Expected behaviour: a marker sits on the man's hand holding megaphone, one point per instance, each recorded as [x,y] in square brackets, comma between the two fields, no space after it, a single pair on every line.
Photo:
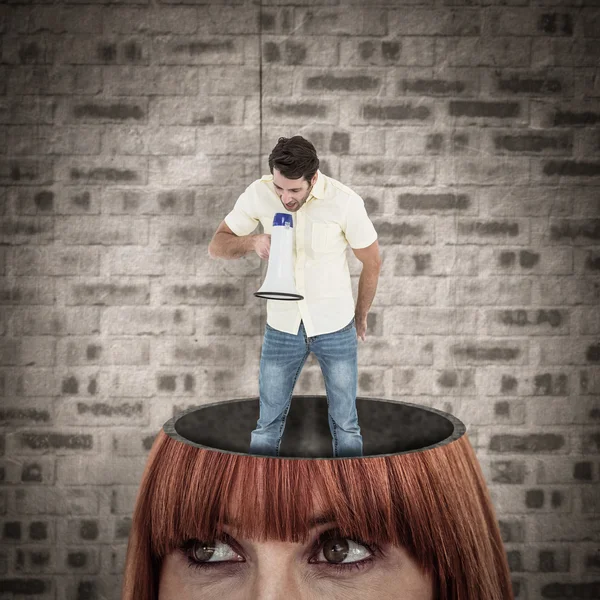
[262,245]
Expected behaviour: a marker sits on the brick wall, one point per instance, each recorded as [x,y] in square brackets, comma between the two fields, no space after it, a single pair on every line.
[127,130]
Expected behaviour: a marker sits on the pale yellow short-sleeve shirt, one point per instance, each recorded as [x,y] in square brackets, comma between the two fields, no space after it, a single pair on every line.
[333,217]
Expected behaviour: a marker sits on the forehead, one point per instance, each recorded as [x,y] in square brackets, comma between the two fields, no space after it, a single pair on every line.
[288,184]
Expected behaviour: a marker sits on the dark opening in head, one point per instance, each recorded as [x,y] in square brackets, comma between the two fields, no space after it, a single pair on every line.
[387,427]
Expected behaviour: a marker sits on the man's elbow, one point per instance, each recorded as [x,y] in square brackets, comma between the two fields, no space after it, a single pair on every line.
[212,251]
[376,262]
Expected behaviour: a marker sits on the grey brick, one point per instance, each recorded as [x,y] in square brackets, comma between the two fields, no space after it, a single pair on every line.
[60,442]
[530,201]
[179,171]
[322,52]
[240,80]
[572,590]
[28,49]
[580,113]
[525,21]
[27,230]
[218,20]
[448,83]
[382,112]
[103,230]
[494,231]
[350,81]
[27,290]
[56,261]
[508,291]
[566,291]
[71,471]
[399,172]
[184,352]
[432,320]
[129,20]
[448,382]
[557,261]
[65,19]
[42,320]
[101,292]
[406,291]
[523,382]
[164,140]
[105,50]
[94,351]
[25,171]
[87,110]
[160,81]
[205,293]
[442,22]
[186,50]
[547,442]
[106,171]
[468,352]
[413,142]
[581,410]
[146,320]
[409,51]
[26,586]
[409,350]
[294,111]
[55,80]
[564,52]
[25,414]
[142,260]
[534,143]
[336,21]
[530,83]
[112,412]
[46,140]
[486,51]
[498,171]
[410,230]
[435,261]
[551,561]
[574,231]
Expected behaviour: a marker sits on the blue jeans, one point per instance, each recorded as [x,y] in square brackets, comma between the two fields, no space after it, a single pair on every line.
[282,357]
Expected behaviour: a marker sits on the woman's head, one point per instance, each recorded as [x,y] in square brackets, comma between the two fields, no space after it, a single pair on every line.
[414,526]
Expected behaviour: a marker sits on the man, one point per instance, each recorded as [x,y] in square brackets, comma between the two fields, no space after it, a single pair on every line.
[327,216]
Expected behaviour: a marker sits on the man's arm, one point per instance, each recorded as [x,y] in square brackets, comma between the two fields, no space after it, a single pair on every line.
[367,285]
[226,244]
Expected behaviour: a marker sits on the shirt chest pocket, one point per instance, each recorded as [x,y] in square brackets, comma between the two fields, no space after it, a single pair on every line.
[326,237]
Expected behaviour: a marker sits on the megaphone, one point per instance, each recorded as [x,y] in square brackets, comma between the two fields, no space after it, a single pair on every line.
[279,283]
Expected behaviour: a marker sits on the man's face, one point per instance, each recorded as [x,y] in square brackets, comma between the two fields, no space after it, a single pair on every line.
[293,193]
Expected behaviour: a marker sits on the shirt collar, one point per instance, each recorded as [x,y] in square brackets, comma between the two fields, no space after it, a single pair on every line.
[318,190]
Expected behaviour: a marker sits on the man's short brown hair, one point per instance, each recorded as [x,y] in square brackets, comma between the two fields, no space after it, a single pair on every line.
[294,157]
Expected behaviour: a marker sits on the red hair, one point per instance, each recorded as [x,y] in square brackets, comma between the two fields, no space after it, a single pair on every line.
[433,502]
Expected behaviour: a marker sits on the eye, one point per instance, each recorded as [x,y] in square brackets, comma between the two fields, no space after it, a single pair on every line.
[336,549]
[215,551]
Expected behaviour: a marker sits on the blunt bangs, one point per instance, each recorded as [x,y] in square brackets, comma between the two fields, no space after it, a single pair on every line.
[433,502]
